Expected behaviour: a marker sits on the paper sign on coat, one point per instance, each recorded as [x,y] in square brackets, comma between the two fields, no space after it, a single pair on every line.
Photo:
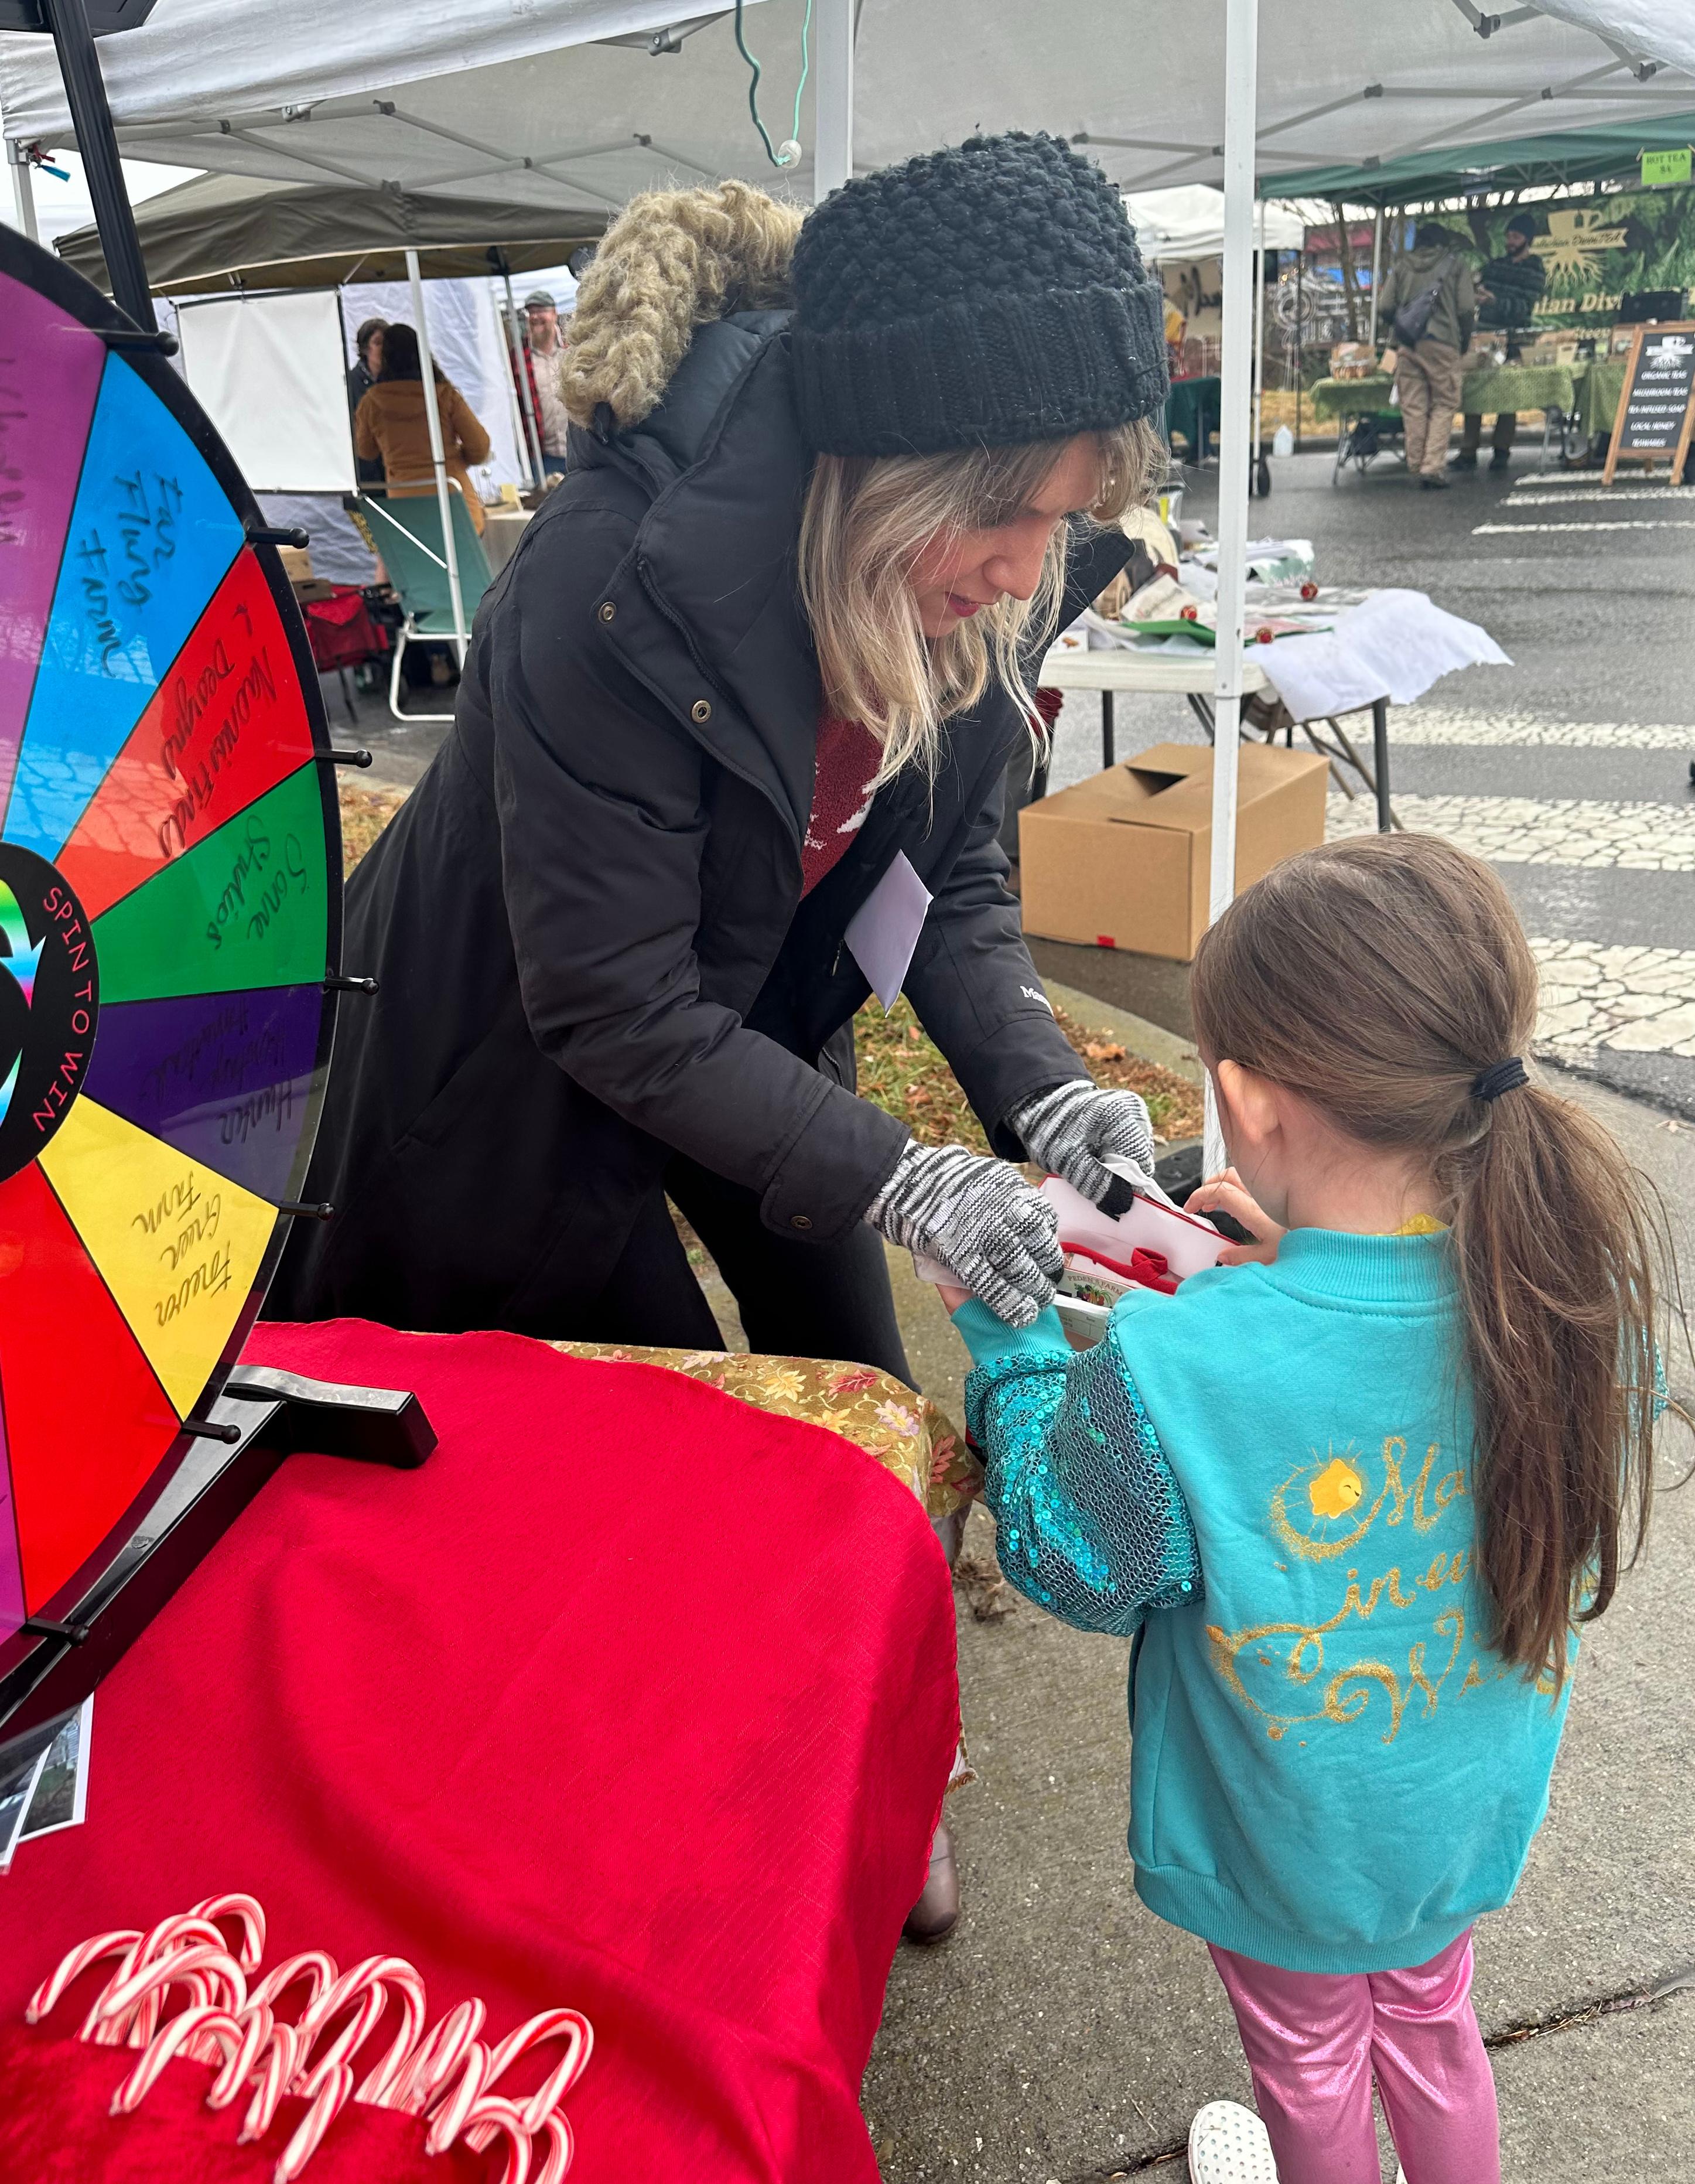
[883,932]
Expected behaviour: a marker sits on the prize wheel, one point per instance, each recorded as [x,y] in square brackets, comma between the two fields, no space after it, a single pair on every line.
[169,915]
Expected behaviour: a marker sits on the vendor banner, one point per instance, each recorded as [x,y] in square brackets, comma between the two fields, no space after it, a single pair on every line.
[1597,250]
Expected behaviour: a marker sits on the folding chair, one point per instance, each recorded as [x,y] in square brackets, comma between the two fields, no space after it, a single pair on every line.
[407,533]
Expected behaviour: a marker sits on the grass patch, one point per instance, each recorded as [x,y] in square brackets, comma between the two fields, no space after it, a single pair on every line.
[901,1070]
[364,813]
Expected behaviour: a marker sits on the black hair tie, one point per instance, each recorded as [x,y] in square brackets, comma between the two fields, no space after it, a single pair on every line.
[1500,1077]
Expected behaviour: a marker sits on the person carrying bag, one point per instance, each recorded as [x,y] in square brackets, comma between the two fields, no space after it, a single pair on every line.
[1430,301]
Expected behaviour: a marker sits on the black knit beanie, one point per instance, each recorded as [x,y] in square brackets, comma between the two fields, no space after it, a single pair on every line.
[984,296]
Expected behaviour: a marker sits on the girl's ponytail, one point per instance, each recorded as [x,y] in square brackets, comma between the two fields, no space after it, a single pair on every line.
[1555,1239]
[1385,980]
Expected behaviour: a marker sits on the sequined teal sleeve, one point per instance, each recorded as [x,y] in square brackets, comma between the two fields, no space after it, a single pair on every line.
[1092,1523]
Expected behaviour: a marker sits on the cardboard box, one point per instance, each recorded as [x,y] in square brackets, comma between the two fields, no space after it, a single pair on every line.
[1123,860]
[297,563]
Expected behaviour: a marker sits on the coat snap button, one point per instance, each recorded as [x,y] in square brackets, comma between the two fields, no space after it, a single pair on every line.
[607,611]
[800,1221]
[700,711]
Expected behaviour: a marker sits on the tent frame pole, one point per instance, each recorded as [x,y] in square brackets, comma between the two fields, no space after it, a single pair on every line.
[1376,269]
[91,120]
[531,433]
[1240,65]
[832,151]
[444,495]
[1256,440]
[22,189]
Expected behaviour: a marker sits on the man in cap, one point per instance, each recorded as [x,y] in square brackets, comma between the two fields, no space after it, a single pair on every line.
[545,349]
[1508,289]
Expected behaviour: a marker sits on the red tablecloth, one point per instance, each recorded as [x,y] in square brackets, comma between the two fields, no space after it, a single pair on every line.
[632,1698]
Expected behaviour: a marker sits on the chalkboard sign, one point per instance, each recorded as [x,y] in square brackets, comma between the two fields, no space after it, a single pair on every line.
[1656,406]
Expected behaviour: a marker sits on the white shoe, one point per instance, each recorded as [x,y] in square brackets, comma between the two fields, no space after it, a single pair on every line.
[1228,2145]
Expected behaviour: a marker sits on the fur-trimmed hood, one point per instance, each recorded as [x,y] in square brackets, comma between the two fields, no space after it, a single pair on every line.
[674,260]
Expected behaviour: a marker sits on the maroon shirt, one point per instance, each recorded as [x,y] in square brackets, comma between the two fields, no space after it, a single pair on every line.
[848,756]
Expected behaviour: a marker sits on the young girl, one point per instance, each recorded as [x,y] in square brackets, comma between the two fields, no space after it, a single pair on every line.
[1353,1493]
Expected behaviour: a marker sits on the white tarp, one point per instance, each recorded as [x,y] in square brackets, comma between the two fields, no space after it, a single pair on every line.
[270,373]
[460,93]
[1182,226]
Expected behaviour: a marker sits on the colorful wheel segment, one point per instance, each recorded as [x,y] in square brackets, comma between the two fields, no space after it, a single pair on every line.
[169,913]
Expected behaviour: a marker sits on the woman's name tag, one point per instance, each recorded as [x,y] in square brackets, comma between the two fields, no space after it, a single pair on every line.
[884,930]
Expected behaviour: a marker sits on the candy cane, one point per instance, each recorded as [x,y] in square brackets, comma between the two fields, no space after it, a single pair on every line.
[171,1937]
[202,1967]
[434,2062]
[445,2075]
[310,1964]
[493,2114]
[71,1967]
[193,2024]
[252,1919]
[447,2120]
[399,1979]
[372,2001]
[256,2025]
[332,2097]
[278,2063]
[560,2153]
[578,2034]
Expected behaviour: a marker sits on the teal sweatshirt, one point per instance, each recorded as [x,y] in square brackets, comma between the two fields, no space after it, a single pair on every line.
[1264,1478]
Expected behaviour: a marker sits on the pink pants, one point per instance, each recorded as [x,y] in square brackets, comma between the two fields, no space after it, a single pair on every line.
[1314,2040]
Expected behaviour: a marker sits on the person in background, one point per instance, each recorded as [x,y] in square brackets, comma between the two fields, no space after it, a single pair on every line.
[1355,1494]
[1429,301]
[362,376]
[545,349]
[1508,289]
[392,425]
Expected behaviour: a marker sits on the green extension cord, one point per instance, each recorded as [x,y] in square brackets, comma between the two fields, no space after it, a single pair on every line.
[788,153]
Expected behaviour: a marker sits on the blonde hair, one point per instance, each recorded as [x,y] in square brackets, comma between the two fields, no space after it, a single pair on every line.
[677,259]
[866,520]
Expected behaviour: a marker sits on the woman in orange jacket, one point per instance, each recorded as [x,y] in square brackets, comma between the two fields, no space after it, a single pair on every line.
[390,424]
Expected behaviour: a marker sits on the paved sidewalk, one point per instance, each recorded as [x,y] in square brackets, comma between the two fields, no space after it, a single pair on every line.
[1065,2033]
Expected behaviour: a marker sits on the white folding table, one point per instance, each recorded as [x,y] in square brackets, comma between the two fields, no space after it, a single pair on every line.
[1190,674]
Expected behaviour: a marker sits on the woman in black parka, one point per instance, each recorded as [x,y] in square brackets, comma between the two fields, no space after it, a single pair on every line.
[760,657]
[831,486]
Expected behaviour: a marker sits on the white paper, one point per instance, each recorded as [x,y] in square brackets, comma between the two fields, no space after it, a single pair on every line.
[884,930]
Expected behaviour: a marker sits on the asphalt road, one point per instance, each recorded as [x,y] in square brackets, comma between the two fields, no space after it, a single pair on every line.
[1579,751]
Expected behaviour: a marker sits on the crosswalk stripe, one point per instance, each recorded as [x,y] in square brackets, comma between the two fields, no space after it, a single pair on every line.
[1625,1000]
[1612,494]
[1643,523]
[1440,724]
[1524,830]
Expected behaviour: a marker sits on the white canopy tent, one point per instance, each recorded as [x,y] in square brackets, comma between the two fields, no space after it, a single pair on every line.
[560,102]
[583,102]
[1181,225]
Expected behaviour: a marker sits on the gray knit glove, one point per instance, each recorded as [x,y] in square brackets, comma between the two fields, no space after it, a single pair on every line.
[980,1219]
[1073,1129]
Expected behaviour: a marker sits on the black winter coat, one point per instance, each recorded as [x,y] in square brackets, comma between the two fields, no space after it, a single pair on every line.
[587,919]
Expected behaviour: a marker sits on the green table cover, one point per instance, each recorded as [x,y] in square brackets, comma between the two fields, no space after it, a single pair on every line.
[1192,408]
[1485,391]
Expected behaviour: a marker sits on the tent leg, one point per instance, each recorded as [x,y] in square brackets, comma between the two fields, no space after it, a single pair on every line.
[832,154]
[22,189]
[444,497]
[1240,62]
[530,435]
